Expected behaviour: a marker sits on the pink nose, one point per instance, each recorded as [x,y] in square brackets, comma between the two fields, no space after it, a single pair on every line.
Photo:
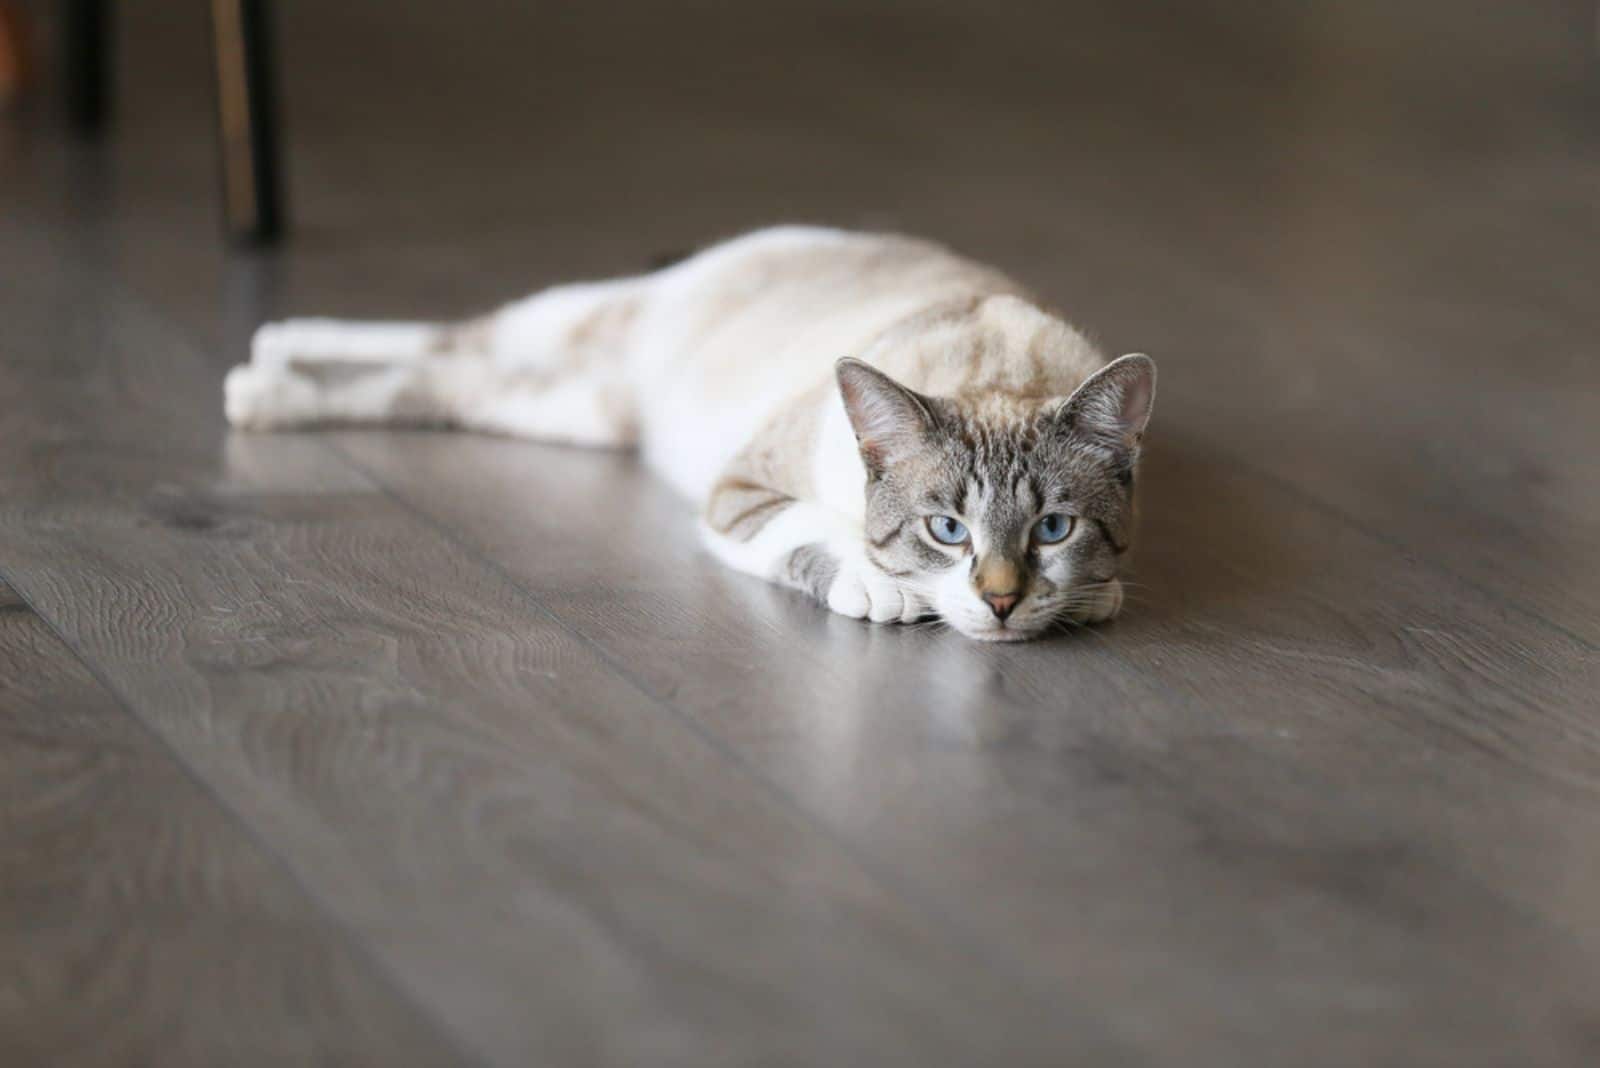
[1001,604]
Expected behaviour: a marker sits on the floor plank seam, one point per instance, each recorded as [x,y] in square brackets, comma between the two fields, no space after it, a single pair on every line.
[357,946]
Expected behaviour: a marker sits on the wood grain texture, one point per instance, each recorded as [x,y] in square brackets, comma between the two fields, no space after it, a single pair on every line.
[139,924]
[1322,748]
[1327,793]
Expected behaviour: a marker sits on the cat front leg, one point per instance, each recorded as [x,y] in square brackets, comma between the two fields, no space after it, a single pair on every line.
[806,547]
[862,590]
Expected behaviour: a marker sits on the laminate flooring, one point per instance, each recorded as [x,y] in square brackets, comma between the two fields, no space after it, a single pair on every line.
[413,748]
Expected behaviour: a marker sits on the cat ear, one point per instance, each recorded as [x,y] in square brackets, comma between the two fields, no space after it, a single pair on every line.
[889,419]
[1113,405]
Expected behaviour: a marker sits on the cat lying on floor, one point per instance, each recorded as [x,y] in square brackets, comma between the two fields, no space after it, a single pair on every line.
[894,430]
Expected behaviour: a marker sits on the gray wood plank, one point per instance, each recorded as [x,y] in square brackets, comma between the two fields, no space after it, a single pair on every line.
[553,863]
[1302,721]
[138,924]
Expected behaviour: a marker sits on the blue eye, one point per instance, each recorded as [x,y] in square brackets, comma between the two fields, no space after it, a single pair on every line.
[1052,528]
[947,531]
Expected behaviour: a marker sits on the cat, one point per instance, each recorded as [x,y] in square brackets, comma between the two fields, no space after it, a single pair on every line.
[873,420]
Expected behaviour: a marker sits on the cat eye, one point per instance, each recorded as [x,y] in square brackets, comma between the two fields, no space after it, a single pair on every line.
[947,531]
[1053,528]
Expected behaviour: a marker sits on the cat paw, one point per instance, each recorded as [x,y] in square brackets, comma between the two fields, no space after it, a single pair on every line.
[867,593]
[1102,603]
[258,397]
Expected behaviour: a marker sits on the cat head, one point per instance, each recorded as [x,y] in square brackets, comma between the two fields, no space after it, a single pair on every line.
[1009,513]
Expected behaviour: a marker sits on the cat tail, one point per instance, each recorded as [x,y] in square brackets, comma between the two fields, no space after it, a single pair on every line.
[552,368]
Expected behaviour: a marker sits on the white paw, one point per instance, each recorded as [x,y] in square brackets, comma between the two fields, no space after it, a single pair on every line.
[864,592]
[1103,603]
[257,397]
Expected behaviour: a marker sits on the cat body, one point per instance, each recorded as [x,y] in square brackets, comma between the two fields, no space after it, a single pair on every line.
[829,400]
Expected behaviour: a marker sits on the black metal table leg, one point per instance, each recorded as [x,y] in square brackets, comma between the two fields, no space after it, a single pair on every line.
[86,61]
[247,119]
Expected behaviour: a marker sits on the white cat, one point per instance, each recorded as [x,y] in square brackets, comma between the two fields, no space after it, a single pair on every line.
[871,419]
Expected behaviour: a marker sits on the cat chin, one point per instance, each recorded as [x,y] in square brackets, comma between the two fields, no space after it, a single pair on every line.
[1001,634]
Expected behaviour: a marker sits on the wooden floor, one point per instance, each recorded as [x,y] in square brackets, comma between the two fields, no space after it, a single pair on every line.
[402,749]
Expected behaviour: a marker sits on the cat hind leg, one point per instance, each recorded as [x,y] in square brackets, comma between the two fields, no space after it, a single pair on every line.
[312,372]
[551,368]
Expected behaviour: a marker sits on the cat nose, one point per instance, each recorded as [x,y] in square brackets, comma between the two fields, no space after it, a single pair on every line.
[1001,604]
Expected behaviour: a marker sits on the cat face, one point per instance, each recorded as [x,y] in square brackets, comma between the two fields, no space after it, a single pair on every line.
[1007,514]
